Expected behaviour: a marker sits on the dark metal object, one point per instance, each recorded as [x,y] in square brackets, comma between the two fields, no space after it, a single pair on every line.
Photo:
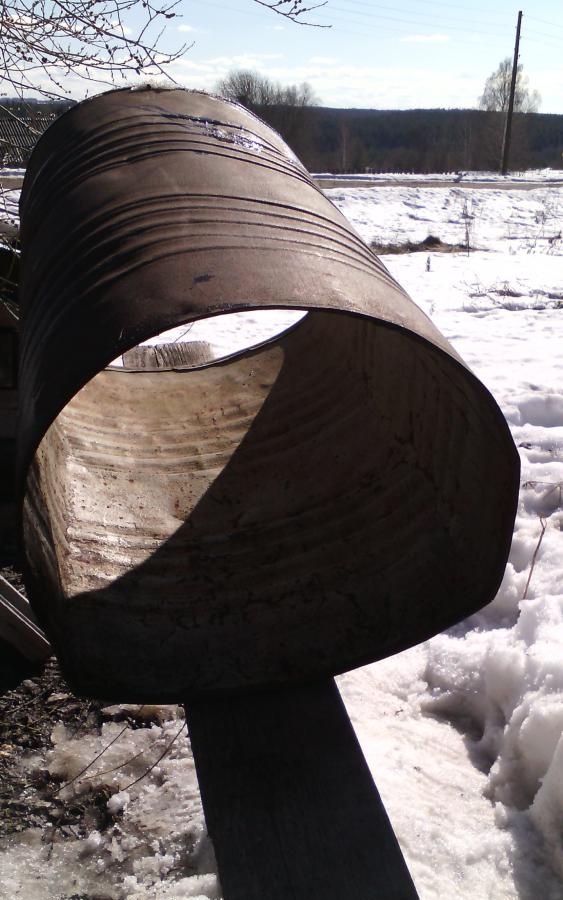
[8,360]
[8,415]
[18,626]
[290,804]
[319,502]
[23,646]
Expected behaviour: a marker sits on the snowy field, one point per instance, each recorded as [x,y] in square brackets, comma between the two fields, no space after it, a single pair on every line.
[464,733]
[548,176]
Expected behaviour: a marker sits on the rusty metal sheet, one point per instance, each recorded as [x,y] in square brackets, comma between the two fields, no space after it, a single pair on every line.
[324,500]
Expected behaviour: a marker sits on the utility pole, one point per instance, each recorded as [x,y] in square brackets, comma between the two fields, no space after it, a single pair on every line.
[508,126]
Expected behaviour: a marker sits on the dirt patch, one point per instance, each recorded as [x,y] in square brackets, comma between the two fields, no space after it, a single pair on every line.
[31,706]
[430,244]
[29,793]
[28,715]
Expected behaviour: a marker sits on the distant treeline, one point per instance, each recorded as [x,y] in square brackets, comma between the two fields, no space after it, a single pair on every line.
[417,140]
[414,140]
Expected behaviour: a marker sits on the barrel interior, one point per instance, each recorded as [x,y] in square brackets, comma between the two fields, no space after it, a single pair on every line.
[287,513]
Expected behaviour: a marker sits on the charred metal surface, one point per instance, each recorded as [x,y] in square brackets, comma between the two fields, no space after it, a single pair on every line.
[322,501]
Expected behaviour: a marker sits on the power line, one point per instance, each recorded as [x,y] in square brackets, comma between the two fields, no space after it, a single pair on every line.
[410,22]
[422,20]
[322,15]
[529,33]
[375,16]
[406,31]
[544,22]
[463,8]
[399,9]
[545,37]
[386,29]
[401,31]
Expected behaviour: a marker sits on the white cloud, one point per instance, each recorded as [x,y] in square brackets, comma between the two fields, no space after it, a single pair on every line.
[380,87]
[205,74]
[186,27]
[323,60]
[547,81]
[338,84]
[244,60]
[425,39]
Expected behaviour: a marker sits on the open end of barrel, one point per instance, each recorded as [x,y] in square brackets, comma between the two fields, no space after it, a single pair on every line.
[288,513]
[209,340]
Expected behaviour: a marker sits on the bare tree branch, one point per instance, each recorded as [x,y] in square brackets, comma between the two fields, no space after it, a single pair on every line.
[294,10]
[46,41]
[54,39]
[256,91]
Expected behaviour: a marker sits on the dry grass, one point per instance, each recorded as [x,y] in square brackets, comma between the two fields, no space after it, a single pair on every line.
[430,244]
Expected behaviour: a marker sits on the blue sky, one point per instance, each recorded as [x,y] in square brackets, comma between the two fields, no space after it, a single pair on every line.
[389,55]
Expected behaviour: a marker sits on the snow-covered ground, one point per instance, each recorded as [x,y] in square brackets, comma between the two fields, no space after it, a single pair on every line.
[9,216]
[530,175]
[464,733]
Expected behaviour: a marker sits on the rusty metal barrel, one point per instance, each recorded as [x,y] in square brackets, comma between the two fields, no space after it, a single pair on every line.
[285,513]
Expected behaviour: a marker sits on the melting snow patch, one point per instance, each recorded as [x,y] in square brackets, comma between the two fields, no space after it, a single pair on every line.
[541,409]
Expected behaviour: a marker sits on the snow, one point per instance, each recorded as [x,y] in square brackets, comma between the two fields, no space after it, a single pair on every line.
[9,216]
[463,734]
[158,827]
[228,334]
[530,175]
[495,681]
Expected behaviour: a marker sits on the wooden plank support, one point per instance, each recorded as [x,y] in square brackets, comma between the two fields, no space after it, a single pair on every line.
[289,801]
[18,626]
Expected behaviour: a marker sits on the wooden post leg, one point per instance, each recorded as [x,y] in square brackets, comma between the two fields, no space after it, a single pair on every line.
[289,801]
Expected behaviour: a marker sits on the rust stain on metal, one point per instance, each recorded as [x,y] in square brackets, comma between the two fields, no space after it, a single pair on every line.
[321,501]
